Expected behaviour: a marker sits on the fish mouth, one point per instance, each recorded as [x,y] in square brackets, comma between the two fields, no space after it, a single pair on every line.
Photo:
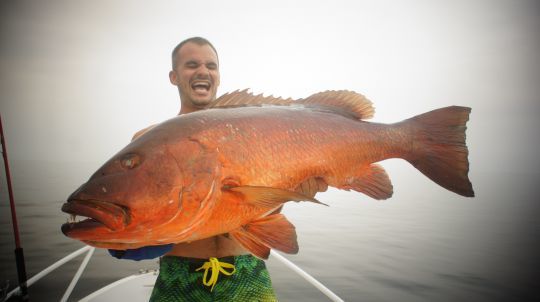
[98,214]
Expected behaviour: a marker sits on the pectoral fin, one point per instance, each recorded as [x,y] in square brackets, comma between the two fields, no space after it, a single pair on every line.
[270,197]
[273,231]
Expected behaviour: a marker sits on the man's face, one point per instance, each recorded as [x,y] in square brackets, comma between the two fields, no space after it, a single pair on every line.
[197,76]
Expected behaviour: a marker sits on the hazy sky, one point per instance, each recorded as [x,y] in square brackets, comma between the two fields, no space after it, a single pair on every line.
[78,78]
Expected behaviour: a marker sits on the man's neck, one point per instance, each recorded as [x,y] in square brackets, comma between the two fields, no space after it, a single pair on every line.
[188,108]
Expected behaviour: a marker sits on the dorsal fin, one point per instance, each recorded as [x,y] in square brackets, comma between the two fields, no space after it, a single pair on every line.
[343,100]
[244,98]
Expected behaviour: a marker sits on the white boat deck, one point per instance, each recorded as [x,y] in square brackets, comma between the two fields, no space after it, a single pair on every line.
[134,288]
[139,287]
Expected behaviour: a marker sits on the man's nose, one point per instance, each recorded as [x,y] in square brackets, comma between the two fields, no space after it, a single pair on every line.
[203,71]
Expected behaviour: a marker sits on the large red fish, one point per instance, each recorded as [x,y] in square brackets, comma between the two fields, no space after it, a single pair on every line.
[226,169]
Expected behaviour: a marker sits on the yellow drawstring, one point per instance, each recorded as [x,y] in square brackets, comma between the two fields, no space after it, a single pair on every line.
[216,268]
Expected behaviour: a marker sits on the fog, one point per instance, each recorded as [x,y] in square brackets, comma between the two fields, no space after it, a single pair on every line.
[79,78]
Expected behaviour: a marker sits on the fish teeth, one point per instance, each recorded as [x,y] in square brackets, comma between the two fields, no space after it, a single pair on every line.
[75,219]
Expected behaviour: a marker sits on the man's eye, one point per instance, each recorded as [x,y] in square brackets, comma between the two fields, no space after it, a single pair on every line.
[211,66]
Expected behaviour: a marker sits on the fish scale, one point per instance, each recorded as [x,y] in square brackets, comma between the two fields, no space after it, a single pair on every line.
[344,141]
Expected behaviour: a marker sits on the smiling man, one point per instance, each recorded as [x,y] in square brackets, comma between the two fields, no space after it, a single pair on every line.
[190,271]
[196,73]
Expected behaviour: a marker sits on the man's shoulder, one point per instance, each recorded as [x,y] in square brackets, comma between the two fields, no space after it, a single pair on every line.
[142,131]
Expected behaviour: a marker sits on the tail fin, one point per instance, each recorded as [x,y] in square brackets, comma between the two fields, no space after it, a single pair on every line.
[439,149]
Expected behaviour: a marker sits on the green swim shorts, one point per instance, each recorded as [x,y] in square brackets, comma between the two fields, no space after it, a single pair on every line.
[239,278]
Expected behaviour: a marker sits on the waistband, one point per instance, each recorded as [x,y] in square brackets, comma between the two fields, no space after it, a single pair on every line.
[195,263]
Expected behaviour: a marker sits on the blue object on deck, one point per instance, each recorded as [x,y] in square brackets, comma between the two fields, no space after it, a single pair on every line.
[147,252]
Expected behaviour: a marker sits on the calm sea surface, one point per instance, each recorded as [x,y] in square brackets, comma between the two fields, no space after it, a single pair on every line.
[424,244]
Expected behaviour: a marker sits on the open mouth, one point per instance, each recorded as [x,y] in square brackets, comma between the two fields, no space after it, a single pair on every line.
[201,86]
[94,213]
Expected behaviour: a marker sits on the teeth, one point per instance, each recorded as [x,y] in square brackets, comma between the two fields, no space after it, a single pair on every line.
[203,84]
[74,219]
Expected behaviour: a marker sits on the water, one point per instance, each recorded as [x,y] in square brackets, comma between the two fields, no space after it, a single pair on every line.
[424,244]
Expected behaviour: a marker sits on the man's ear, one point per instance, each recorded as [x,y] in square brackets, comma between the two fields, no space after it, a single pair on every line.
[173,78]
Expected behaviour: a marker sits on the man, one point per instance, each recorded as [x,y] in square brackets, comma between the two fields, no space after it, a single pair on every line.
[189,271]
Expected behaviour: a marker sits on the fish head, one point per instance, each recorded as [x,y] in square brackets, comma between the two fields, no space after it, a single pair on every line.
[128,198]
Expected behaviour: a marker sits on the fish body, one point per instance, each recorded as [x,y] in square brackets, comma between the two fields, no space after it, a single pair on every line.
[226,169]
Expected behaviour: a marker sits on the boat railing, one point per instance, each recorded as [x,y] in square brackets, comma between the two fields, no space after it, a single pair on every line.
[90,250]
[307,277]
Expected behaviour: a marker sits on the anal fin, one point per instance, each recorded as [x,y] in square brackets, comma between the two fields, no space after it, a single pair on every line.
[273,231]
[372,181]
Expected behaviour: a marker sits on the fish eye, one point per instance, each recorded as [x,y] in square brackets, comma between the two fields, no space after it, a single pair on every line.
[130,161]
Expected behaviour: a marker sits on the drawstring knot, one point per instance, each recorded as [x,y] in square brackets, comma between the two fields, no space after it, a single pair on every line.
[216,267]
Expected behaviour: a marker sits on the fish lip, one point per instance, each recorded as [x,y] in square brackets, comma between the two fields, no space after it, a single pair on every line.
[108,214]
